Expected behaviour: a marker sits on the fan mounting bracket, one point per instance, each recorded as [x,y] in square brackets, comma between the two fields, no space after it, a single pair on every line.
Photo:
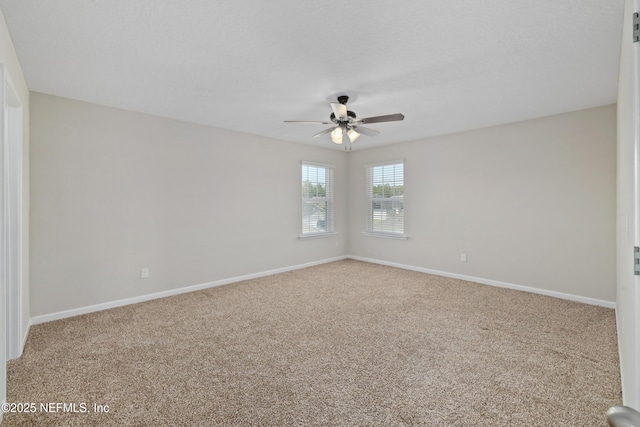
[343,99]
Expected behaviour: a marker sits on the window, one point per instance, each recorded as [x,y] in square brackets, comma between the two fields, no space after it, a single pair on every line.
[385,199]
[317,200]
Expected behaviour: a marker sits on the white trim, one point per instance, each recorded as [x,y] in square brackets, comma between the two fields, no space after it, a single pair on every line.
[317,235]
[385,163]
[4,292]
[322,165]
[142,298]
[561,295]
[26,334]
[119,303]
[385,235]
[12,185]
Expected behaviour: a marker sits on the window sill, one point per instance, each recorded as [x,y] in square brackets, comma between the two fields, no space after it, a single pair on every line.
[317,235]
[385,235]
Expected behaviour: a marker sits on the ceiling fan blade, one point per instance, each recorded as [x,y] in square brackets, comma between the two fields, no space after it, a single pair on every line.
[323,132]
[312,122]
[340,110]
[366,131]
[378,119]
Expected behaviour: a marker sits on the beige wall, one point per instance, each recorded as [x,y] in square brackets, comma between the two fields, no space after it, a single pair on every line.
[114,191]
[531,203]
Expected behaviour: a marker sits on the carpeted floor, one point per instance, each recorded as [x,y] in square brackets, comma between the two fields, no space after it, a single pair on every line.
[345,343]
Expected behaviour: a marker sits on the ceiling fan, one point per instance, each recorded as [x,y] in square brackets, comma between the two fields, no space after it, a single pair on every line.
[344,122]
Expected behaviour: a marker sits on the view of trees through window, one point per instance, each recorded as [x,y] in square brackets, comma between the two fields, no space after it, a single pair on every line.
[316,199]
[386,198]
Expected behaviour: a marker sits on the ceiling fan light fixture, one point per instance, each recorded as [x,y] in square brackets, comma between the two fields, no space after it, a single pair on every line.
[345,121]
[336,135]
[353,135]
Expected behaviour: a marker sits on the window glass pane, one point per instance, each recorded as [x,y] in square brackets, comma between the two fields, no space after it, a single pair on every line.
[385,208]
[314,217]
[388,216]
[317,199]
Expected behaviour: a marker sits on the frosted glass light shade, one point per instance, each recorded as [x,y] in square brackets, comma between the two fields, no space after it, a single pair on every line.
[353,135]
[336,135]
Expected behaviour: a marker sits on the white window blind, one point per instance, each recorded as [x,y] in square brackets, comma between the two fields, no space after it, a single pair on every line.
[385,198]
[317,199]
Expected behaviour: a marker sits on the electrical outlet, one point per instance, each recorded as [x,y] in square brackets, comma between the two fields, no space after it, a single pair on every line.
[144,273]
[463,257]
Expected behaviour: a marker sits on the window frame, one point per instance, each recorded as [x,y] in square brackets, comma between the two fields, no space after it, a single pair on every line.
[370,174]
[328,199]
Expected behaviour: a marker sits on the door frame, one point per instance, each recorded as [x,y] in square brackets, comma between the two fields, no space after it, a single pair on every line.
[11,159]
[628,210]
[13,218]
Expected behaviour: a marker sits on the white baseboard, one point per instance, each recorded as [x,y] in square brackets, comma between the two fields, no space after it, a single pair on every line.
[119,303]
[561,295]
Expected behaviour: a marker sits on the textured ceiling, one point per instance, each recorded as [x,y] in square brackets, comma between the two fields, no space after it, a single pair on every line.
[249,65]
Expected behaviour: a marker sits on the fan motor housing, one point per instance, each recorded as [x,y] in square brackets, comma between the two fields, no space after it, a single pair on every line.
[350,114]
